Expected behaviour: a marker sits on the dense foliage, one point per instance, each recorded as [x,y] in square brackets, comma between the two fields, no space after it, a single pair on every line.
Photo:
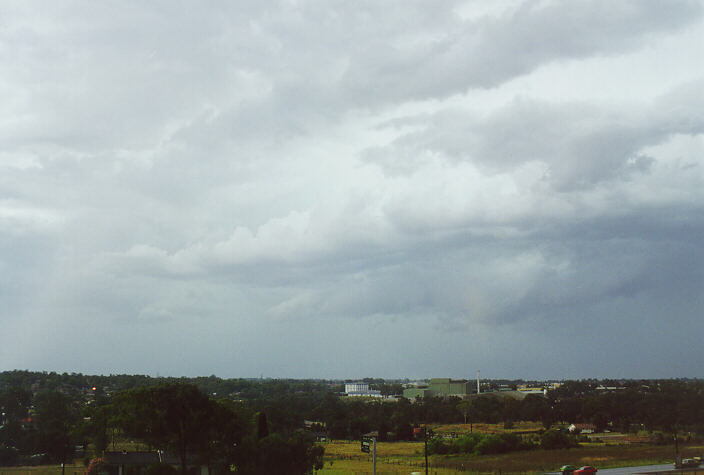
[478,444]
[241,422]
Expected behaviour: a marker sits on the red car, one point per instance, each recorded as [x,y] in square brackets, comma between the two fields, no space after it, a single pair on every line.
[586,469]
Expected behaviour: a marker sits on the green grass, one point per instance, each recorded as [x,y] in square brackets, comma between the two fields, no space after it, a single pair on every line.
[460,429]
[76,469]
[407,457]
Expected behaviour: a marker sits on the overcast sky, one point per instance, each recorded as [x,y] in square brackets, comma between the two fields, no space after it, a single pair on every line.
[336,189]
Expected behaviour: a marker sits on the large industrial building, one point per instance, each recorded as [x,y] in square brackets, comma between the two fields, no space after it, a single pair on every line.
[441,387]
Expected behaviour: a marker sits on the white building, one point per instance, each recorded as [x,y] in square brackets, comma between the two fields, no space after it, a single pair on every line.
[361,389]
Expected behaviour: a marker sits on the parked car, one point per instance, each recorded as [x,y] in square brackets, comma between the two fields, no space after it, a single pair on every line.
[567,469]
[585,470]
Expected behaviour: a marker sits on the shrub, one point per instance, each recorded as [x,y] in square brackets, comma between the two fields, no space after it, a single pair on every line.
[553,439]
[438,446]
[492,444]
[515,442]
[466,443]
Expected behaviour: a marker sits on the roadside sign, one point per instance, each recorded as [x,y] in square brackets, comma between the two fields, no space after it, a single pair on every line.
[369,445]
[366,441]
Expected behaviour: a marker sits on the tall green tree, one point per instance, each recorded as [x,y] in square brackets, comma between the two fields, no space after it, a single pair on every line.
[262,426]
[174,417]
[14,409]
[97,428]
[57,420]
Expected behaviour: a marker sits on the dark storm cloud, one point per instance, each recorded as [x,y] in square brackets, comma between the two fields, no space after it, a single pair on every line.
[202,187]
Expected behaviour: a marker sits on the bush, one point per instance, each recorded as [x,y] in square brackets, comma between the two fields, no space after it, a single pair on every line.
[466,443]
[479,444]
[493,444]
[438,446]
[553,439]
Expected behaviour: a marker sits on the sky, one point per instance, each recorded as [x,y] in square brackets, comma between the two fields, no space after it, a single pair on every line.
[335,189]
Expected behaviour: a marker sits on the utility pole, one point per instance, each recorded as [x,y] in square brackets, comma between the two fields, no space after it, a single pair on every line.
[365,448]
[678,457]
[426,434]
[425,437]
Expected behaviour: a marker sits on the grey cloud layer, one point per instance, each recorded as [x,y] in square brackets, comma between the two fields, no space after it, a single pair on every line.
[254,173]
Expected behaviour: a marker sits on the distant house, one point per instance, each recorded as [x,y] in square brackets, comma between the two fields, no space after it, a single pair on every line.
[582,428]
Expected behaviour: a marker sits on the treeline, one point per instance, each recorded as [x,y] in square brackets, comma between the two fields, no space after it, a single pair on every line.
[175,418]
[667,405]
[50,413]
[239,388]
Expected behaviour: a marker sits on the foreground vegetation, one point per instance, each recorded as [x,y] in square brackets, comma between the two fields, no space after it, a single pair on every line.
[175,418]
[238,424]
[404,457]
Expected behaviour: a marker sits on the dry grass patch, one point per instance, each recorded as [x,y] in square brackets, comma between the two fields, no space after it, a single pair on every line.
[43,470]
[352,449]
[407,457]
[460,429]
[363,467]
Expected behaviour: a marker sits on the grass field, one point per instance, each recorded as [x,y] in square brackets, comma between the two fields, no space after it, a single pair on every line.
[519,427]
[392,457]
[77,469]
[345,457]
[407,457]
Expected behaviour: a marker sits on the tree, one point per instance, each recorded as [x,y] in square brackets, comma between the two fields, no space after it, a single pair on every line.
[14,408]
[262,426]
[297,455]
[97,428]
[537,408]
[174,417]
[233,442]
[463,407]
[56,421]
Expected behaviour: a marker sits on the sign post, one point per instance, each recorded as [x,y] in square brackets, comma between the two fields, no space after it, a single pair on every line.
[365,444]
[369,445]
